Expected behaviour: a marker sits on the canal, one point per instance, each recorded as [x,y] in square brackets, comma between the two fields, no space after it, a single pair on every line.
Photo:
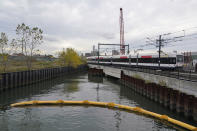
[79,118]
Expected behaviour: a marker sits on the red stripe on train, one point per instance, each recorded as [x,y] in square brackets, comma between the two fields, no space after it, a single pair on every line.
[146,56]
[123,57]
[99,57]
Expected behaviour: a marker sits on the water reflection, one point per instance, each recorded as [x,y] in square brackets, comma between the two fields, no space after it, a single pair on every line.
[70,88]
[141,101]
[95,79]
[27,92]
[4,121]
[150,105]
[77,87]
[30,121]
[98,80]
[117,115]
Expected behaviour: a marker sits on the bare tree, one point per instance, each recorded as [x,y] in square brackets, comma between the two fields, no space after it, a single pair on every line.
[6,48]
[35,40]
[22,31]
[29,38]
[3,42]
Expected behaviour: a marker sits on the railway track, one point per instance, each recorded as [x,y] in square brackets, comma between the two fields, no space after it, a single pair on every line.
[182,75]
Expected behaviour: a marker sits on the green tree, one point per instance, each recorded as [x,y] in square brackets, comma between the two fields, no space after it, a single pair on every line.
[29,39]
[69,57]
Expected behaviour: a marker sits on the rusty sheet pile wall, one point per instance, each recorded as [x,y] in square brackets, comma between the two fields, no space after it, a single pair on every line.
[16,79]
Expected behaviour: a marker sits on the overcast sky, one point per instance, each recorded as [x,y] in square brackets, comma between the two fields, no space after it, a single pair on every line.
[80,24]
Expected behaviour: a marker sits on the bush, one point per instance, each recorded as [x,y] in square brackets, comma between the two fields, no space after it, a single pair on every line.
[69,57]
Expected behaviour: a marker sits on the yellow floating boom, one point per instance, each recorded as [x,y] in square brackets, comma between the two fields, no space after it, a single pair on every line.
[109,105]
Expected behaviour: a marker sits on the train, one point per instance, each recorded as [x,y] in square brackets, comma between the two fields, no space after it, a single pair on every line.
[167,61]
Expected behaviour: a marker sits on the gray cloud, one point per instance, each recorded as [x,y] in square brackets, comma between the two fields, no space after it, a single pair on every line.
[83,23]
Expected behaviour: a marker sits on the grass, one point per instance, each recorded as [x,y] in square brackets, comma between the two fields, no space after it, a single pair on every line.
[14,66]
[138,77]
[162,83]
[147,81]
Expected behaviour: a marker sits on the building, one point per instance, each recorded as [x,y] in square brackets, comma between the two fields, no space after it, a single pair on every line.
[190,60]
[115,52]
[39,57]
[87,54]
[94,52]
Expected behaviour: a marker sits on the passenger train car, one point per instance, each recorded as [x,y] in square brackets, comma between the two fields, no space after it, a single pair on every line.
[167,61]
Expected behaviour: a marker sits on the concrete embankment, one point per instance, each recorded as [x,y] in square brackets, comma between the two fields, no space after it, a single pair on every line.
[15,79]
[174,98]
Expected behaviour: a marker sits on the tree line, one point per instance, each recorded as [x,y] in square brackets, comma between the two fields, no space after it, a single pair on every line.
[26,42]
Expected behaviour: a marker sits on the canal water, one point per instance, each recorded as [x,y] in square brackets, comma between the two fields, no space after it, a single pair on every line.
[79,118]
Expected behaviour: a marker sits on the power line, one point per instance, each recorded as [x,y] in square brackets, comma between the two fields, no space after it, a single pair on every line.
[170,33]
[150,41]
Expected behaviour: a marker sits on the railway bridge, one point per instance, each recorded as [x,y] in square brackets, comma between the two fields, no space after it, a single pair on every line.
[183,81]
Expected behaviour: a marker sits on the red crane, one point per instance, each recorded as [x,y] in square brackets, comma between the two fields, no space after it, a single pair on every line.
[122,47]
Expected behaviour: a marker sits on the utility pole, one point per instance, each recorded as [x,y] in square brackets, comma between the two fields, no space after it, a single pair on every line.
[122,43]
[160,44]
[98,52]
[128,49]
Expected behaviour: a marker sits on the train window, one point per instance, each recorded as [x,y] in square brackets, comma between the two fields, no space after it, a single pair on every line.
[172,61]
[154,60]
[115,60]
[179,58]
[148,60]
[124,60]
[143,60]
[164,60]
[169,61]
[106,60]
[109,60]
[120,60]
[139,60]
[133,60]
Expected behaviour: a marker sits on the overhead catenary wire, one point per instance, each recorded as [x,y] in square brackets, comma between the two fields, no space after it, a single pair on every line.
[173,39]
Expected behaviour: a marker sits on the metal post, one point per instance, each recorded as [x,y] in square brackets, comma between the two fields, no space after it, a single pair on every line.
[159,50]
[128,49]
[98,52]
[190,74]
[137,59]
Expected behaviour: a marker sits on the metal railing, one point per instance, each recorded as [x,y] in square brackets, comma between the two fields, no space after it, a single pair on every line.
[181,75]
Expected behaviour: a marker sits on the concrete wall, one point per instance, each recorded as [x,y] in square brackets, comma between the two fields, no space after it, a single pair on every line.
[114,72]
[187,87]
